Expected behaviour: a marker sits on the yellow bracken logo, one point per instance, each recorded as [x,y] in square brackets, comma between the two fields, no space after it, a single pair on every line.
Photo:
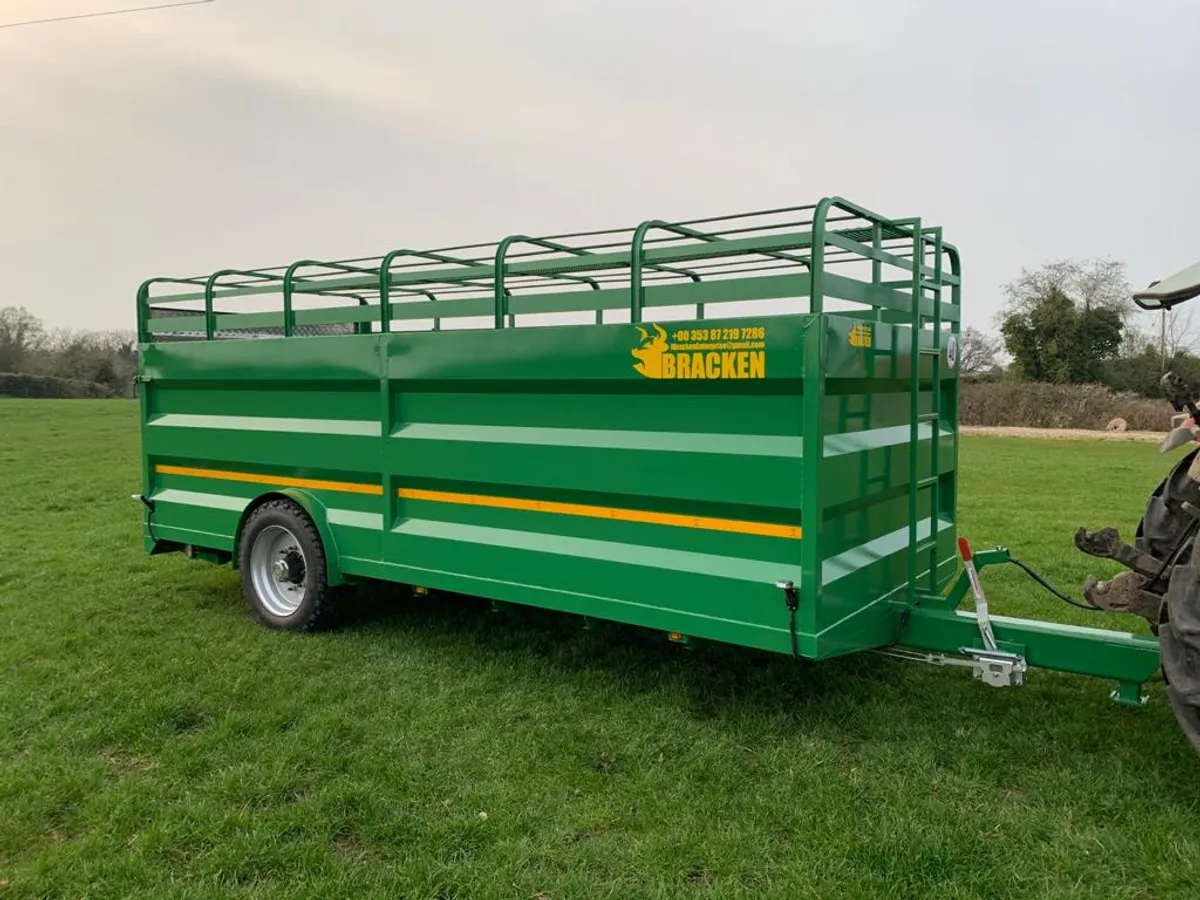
[714,353]
[860,335]
[650,354]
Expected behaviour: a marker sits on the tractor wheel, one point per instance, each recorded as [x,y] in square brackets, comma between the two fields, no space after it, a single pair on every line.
[1164,521]
[1178,629]
[282,564]
[1179,642]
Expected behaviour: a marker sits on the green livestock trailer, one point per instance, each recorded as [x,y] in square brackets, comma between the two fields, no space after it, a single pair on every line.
[738,429]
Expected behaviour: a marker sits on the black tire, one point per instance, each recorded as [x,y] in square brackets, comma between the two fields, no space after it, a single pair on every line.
[1179,642]
[1159,532]
[1164,521]
[281,531]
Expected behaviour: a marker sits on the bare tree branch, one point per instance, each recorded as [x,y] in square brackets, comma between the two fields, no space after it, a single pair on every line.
[1089,284]
[21,335]
[979,353]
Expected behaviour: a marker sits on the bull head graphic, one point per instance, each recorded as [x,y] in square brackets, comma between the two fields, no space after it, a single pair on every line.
[650,353]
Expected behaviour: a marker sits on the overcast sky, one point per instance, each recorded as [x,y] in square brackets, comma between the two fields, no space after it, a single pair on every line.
[254,132]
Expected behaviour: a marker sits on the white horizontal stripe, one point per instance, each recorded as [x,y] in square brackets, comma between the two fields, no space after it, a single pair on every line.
[353,427]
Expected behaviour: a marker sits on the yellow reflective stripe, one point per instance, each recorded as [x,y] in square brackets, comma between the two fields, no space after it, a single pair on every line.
[765,529]
[316,484]
[735,526]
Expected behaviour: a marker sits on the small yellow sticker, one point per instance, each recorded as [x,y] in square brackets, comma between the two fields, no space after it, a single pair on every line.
[861,335]
[709,353]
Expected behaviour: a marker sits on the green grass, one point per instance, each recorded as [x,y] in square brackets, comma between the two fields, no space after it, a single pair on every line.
[154,741]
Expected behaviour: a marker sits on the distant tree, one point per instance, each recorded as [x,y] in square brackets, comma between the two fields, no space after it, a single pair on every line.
[125,359]
[21,335]
[1140,372]
[1088,284]
[1175,332]
[979,353]
[85,356]
[1064,321]
[105,360]
[1135,342]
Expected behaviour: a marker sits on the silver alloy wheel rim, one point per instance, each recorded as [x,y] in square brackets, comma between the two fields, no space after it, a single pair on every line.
[278,581]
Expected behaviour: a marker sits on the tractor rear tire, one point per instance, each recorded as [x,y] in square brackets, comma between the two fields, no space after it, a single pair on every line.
[1179,642]
[1162,526]
[1164,520]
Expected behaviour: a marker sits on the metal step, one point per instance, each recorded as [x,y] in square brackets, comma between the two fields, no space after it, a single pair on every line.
[930,351]
[923,483]
[929,417]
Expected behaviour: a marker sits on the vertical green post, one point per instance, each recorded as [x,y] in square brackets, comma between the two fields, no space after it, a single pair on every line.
[387,422]
[813,439]
[144,337]
[361,327]
[637,252]
[143,312]
[210,318]
[955,377]
[914,407]
[385,291]
[935,446]
[877,246]
[501,292]
[289,277]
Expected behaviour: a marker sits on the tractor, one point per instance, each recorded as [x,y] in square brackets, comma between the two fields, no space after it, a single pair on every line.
[1162,583]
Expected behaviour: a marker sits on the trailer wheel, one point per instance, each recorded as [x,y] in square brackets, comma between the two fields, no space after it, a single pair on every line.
[1179,643]
[282,563]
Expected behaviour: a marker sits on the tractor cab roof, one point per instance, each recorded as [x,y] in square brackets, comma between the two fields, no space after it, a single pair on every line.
[1168,292]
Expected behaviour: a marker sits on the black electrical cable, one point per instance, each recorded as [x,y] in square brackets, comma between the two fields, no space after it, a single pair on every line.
[1051,588]
[1166,564]
[110,12]
[150,508]
[791,599]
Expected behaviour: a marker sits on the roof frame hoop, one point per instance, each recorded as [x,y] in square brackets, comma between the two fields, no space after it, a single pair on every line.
[503,293]
[637,261]
[386,287]
[289,287]
[143,301]
[210,285]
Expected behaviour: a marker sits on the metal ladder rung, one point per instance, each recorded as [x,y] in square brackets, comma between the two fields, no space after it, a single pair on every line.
[926,289]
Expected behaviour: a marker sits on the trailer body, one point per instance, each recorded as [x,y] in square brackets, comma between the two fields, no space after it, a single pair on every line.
[741,429]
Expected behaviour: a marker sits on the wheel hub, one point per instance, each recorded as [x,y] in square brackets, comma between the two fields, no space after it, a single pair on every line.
[289,568]
[278,571]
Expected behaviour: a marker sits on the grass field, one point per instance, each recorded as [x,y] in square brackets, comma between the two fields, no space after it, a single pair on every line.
[155,742]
